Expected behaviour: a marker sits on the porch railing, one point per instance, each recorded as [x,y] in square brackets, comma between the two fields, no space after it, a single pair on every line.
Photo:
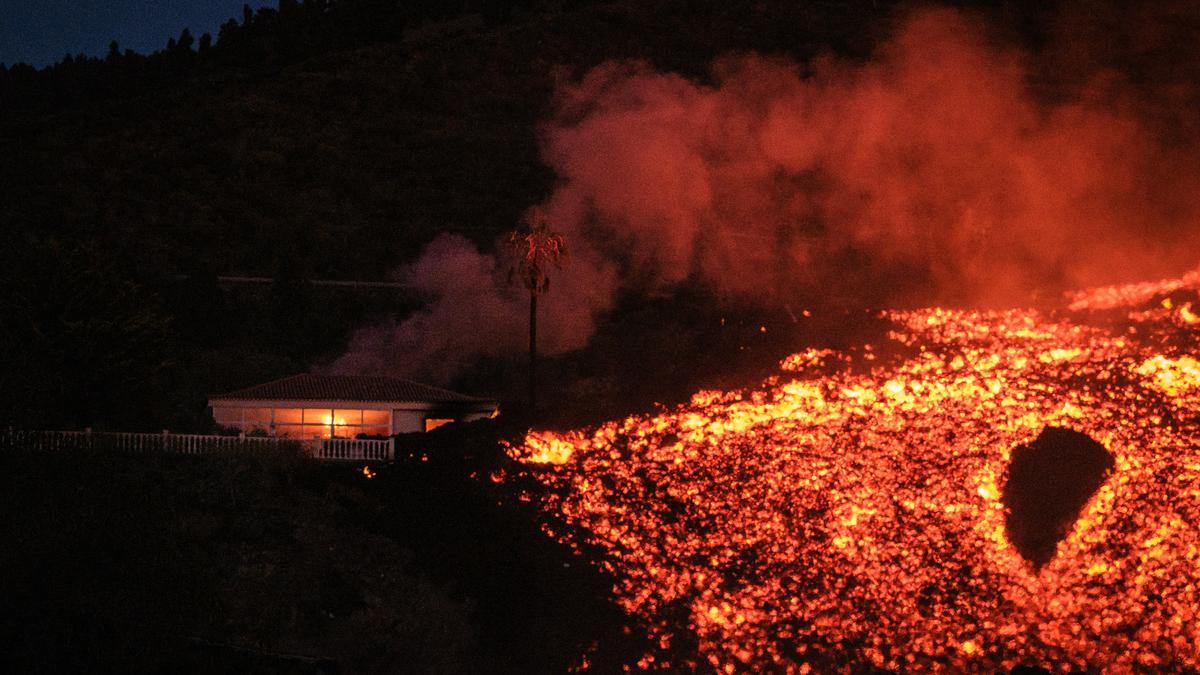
[349,449]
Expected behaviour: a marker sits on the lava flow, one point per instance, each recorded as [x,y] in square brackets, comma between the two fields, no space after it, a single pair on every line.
[847,513]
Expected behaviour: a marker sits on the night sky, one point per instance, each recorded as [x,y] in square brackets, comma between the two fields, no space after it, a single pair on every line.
[41,32]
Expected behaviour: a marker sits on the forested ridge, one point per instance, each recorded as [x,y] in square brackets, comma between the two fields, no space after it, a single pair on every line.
[337,136]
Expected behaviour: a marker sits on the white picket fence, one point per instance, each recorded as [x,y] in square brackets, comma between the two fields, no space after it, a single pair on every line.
[348,449]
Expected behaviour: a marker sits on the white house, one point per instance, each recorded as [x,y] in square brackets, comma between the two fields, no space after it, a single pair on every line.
[344,406]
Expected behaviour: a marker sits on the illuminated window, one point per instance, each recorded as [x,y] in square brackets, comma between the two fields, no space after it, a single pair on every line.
[432,423]
[307,422]
[377,417]
[314,431]
[346,423]
[301,423]
[287,416]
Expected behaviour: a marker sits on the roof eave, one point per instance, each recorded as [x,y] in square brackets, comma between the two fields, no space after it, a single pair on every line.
[363,404]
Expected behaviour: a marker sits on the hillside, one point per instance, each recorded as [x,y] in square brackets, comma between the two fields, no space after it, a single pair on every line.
[342,164]
[339,155]
[345,163]
[272,562]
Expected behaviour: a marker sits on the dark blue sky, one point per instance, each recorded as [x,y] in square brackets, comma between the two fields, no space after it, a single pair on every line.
[40,32]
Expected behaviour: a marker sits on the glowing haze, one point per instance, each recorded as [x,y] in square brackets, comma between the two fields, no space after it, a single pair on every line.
[929,173]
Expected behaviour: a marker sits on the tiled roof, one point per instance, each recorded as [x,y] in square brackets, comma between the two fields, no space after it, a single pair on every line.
[306,387]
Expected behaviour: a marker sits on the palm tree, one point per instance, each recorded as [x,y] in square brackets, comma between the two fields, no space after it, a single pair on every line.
[535,248]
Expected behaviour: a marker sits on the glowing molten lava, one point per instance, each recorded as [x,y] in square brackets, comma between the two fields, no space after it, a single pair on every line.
[848,513]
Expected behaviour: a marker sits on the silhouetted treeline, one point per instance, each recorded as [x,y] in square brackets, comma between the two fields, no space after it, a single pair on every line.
[295,30]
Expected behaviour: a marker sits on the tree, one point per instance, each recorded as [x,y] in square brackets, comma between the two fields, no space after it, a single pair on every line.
[81,342]
[535,249]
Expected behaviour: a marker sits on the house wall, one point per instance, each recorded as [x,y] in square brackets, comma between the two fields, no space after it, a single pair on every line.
[408,421]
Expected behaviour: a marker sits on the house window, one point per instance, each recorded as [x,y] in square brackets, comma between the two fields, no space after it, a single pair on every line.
[290,422]
[332,423]
[288,415]
[379,418]
[245,419]
[307,422]
[432,423]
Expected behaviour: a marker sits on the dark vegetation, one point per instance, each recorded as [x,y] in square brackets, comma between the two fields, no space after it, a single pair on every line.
[274,563]
[1049,480]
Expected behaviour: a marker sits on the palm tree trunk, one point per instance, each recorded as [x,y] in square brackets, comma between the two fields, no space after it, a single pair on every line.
[532,352]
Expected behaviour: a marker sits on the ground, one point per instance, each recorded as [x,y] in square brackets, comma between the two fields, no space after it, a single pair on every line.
[277,563]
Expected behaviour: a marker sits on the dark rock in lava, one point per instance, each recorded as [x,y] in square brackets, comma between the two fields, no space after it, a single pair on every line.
[1049,481]
[1178,298]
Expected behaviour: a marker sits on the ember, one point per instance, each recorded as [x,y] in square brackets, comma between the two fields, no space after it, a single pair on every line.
[855,518]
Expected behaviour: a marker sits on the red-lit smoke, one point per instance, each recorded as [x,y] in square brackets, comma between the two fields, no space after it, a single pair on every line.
[929,173]
[475,312]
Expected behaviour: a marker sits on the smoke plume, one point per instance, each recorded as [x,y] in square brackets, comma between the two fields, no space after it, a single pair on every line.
[930,173]
[473,312]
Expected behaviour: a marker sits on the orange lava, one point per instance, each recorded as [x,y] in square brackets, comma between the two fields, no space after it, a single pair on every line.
[847,512]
